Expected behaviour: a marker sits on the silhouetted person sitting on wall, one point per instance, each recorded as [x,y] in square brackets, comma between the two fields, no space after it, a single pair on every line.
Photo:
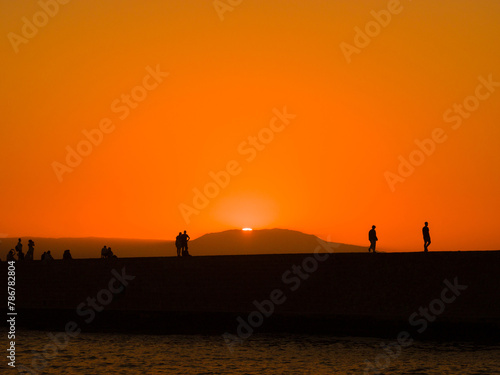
[184,244]
[427,236]
[178,244]
[43,256]
[48,256]
[372,237]
[31,251]
[106,253]
[10,255]
[67,255]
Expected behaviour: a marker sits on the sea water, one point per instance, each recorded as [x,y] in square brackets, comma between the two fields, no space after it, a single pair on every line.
[103,353]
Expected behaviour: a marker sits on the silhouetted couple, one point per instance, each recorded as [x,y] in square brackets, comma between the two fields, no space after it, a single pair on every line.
[46,257]
[19,249]
[181,243]
[107,253]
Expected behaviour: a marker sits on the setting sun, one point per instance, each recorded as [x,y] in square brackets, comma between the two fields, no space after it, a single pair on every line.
[359,138]
[169,118]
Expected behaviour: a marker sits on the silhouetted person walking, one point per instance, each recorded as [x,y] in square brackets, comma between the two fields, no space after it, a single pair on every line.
[178,244]
[427,236]
[372,237]
[184,243]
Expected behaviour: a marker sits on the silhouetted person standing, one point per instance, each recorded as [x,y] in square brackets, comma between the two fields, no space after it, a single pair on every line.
[20,255]
[31,251]
[427,236]
[372,236]
[178,244]
[19,246]
[184,243]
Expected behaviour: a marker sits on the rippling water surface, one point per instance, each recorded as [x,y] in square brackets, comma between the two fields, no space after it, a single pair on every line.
[92,353]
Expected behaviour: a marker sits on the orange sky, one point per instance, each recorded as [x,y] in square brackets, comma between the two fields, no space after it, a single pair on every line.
[330,170]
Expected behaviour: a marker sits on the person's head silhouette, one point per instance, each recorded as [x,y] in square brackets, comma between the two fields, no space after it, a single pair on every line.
[184,231]
[373,226]
[426,223]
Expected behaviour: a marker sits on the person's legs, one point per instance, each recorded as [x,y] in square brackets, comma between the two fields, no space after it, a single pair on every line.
[426,245]
[372,246]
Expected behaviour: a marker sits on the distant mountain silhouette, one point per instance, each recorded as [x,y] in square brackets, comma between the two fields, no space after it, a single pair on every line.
[265,241]
[230,242]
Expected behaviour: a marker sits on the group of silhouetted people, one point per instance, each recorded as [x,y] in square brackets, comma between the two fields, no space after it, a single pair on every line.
[106,252]
[46,256]
[372,237]
[181,243]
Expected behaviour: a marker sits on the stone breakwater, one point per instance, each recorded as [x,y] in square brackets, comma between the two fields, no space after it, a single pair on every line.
[445,294]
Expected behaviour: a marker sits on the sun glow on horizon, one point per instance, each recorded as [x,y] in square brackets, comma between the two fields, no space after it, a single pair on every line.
[247,229]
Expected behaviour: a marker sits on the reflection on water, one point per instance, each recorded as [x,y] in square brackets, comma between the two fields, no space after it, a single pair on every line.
[92,353]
